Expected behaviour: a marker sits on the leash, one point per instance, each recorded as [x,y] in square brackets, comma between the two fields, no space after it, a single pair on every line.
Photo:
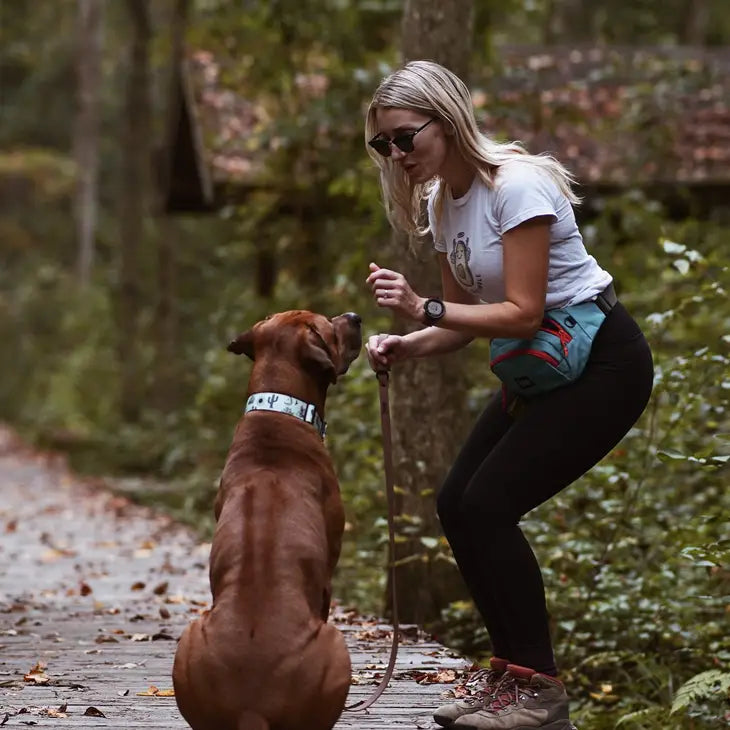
[383,377]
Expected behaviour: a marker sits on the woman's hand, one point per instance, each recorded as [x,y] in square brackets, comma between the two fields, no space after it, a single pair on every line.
[384,349]
[392,291]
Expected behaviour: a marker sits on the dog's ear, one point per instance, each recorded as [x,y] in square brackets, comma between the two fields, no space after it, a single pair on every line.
[242,345]
[317,354]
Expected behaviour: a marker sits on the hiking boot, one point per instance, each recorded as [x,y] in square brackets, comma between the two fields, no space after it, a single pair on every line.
[480,687]
[523,699]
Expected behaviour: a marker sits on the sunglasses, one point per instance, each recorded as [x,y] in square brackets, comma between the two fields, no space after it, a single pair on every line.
[404,142]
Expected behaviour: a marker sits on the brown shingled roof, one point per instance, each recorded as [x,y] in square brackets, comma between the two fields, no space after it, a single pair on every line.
[616,115]
[228,122]
[613,115]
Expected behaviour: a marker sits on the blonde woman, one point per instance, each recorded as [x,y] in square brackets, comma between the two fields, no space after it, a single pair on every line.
[510,251]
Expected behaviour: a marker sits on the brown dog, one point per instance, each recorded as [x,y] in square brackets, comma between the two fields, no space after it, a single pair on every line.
[264,657]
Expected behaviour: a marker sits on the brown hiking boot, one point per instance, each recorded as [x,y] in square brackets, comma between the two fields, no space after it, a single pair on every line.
[523,699]
[480,687]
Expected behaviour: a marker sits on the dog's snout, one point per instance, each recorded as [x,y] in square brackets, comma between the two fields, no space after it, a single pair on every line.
[353,317]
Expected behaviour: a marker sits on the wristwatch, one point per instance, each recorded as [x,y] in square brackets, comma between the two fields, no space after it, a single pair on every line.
[433,310]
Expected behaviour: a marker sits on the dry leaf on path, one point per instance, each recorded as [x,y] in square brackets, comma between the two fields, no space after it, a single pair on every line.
[153,691]
[37,675]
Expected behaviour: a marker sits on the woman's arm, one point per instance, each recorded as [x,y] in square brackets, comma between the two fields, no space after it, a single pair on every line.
[385,349]
[439,340]
[525,266]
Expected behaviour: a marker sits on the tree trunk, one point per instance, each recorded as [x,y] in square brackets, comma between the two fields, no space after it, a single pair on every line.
[133,205]
[570,21]
[429,395]
[696,21]
[439,31]
[166,314]
[86,136]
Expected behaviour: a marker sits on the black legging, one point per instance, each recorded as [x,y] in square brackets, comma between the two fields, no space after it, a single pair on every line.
[508,467]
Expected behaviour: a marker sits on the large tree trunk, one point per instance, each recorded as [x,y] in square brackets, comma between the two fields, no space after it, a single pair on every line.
[696,21]
[133,205]
[86,133]
[166,315]
[428,396]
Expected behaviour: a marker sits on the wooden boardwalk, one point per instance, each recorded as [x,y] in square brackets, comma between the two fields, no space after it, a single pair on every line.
[95,591]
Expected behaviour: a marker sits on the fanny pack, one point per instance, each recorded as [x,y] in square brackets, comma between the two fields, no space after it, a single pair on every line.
[557,354]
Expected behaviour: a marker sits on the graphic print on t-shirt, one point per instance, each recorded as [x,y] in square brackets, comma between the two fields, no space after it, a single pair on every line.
[459,256]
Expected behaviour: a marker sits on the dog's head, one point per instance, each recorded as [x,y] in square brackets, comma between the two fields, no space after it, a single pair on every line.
[324,346]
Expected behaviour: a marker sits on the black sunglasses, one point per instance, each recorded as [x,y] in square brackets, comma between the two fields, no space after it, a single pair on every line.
[404,142]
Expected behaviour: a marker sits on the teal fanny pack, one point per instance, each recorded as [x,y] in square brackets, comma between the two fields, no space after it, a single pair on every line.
[557,354]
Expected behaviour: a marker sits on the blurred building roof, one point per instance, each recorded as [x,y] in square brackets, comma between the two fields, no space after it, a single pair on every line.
[615,116]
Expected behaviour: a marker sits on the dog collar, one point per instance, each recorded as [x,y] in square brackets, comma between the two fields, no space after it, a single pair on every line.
[280,403]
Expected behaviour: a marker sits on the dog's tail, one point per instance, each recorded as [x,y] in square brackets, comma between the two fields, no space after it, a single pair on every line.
[252,721]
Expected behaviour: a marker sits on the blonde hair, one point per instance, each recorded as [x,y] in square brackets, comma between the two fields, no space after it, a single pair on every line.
[431,89]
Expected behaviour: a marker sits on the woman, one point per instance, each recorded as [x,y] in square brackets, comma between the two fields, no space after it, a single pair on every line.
[509,249]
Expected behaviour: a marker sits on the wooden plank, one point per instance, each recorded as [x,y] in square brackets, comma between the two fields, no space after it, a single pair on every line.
[95,591]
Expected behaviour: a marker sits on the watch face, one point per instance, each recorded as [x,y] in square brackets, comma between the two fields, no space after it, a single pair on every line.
[434,308]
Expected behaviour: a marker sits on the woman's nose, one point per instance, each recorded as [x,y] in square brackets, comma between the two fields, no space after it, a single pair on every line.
[396,152]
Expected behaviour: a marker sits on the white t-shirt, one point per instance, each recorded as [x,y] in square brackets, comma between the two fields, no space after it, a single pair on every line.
[472,226]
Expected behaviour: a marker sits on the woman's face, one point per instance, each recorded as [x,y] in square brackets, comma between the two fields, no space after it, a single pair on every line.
[430,145]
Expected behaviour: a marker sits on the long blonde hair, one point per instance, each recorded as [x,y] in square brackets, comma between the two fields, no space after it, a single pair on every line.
[431,89]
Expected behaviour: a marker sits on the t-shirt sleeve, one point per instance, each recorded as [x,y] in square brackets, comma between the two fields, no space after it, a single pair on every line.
[439,242]
[523,192]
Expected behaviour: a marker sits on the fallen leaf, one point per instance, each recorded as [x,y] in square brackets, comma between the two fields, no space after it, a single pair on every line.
[138,586]
[106,640]
[37,675]
[93,712]
[153,691]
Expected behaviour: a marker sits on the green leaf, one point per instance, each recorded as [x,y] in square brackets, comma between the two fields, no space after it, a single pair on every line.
[701,686]
[672,247]
[682,265]
[641,716]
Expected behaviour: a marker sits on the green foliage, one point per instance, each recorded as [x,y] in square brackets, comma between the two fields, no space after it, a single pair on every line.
[700,687]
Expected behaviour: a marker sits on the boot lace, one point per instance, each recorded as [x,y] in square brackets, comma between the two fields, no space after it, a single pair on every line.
[507,693]
[481,685]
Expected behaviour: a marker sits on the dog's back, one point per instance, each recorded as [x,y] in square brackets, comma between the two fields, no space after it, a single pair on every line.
[264,652]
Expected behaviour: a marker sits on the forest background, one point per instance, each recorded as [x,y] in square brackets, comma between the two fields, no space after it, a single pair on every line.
[118,296]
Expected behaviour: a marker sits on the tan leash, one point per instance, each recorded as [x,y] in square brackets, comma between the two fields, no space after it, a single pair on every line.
[383,377]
